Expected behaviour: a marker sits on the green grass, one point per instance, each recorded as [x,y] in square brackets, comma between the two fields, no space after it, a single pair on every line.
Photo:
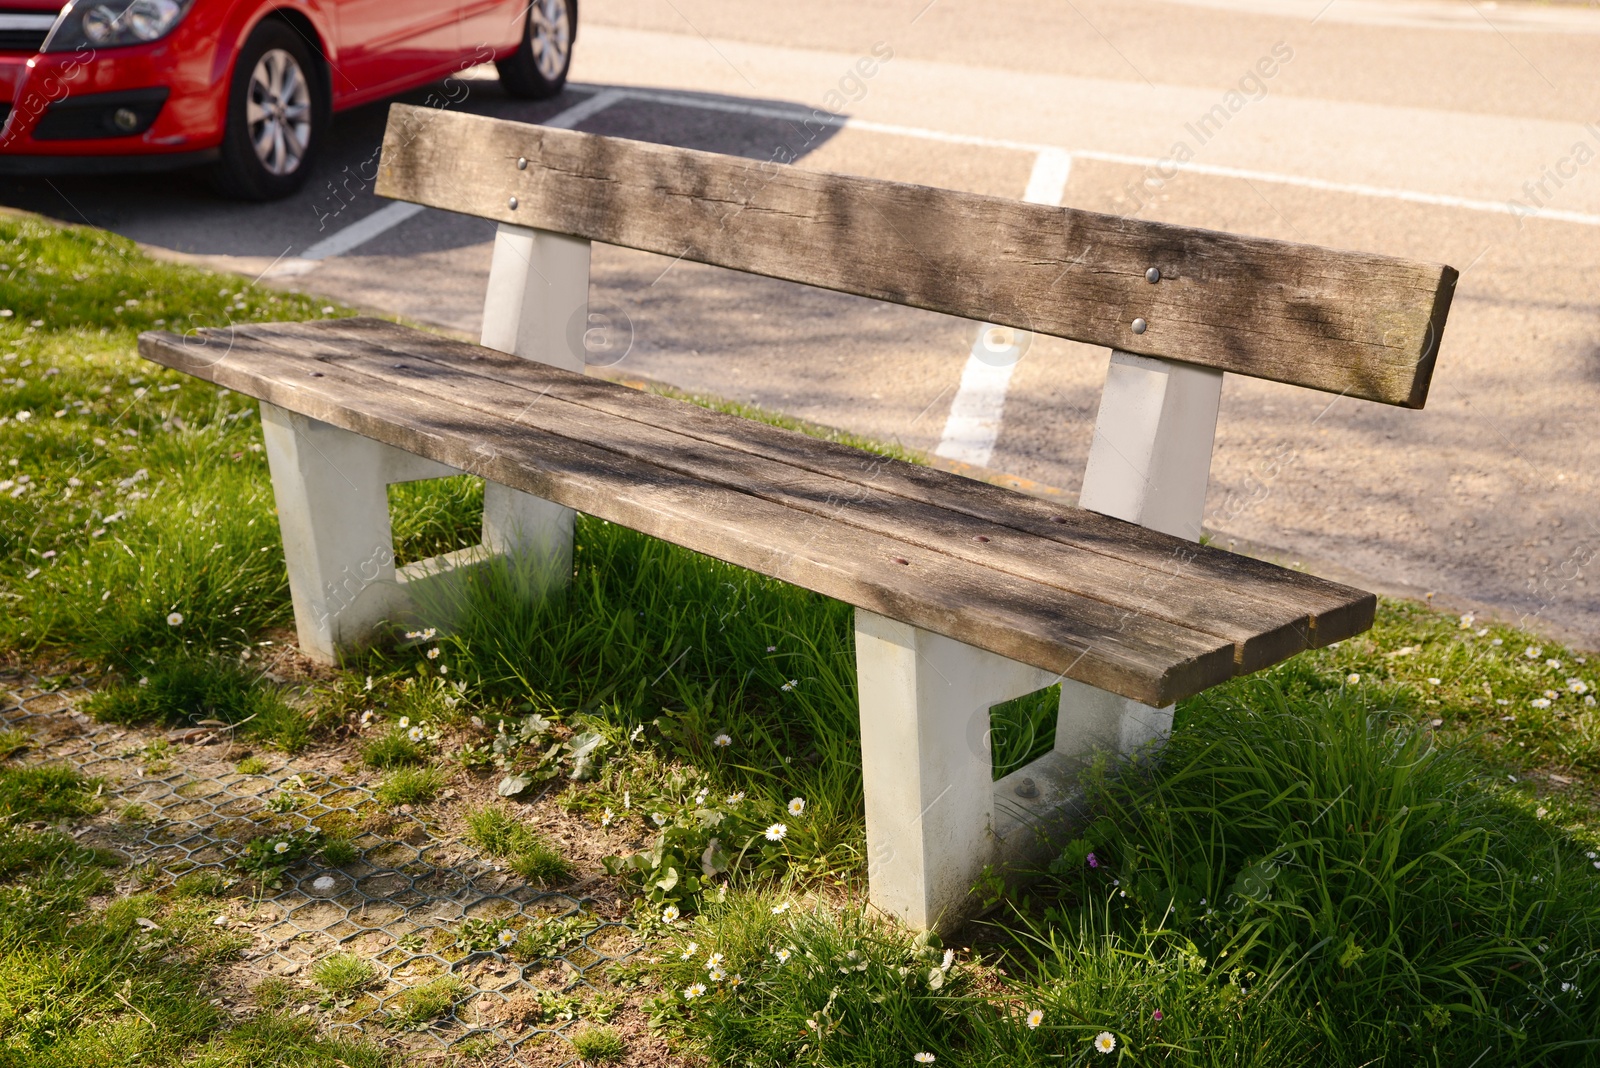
[191,688]
[392,749]
[13,742]
[343,974]
[338,852]
[411,786]
[500,834]
[46,792]
[598,1044]
[421,1005]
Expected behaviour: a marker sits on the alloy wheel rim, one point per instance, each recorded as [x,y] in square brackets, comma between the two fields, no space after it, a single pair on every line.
[551,37]
[278,112]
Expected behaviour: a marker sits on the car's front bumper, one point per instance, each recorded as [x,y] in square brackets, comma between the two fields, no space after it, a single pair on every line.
[150,107]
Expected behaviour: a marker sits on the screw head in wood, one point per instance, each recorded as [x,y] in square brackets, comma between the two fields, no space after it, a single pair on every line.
[512,203]
[1153,275]
[522,163]
[1139,326]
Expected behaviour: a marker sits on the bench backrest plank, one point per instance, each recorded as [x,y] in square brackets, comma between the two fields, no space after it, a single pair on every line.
[1357,324]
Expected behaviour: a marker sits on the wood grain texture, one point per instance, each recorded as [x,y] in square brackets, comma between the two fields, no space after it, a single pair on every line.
[1081,638]
[1155,621]
[1356,324]
[1263,630]
[1268,612]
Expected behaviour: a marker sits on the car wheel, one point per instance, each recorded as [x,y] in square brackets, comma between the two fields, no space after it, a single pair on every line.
[277,112]
[538,68]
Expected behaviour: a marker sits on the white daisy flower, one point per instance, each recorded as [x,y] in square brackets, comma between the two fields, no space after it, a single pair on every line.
[776,832]
[797,805]
[507,936]
[1035,1018]
[791,684]
[174,618]
[669,914]
[736,797]
[722,741]
[1577,686]
[1352,679]
[605,820]
[780,908]
[405,721]
[714,961]
[281,847]
[1533,652]
[782,955]
[923,1058]
[693,990]
[1540,702]
[433,654]
[1553,665]
[1105,1042]
[415,734]
[694,947]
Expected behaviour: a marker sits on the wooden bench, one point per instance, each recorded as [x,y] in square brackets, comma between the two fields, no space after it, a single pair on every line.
[966,594]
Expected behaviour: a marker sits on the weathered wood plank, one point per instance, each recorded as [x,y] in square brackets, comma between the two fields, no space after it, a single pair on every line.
[1263,631]
[1080,638]
[1352,323]
[1129,566]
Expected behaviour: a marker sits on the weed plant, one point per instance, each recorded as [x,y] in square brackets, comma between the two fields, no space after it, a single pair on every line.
[598,1045]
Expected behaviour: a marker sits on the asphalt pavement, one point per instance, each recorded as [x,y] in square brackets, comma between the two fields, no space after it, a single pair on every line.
[1466,133]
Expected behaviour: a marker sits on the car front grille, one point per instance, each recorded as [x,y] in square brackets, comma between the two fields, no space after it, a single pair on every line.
[24,31]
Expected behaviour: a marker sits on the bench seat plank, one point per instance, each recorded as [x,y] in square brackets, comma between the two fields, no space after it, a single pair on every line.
[1264,628]
[1145,659]
[1353,323]
[1128,565]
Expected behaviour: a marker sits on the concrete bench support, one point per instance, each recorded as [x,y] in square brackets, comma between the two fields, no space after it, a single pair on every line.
[331,485]
[935,817]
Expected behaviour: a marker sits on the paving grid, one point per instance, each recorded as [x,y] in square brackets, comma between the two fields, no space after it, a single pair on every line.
[397,905]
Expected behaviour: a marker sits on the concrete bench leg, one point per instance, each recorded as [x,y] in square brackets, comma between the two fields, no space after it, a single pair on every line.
[332,485]
[332,490]
[927,772]
[935,818]
[536,306]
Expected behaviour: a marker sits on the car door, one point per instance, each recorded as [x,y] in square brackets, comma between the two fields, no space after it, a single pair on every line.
[388,44]
[491,27]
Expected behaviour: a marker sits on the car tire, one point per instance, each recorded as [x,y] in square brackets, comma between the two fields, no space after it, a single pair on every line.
[537,70]
[278,112]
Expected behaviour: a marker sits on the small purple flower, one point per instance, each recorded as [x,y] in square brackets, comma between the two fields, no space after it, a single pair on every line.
[1156,1016]
[1094,861]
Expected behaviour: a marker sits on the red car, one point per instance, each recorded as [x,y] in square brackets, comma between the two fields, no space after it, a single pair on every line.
[244,86]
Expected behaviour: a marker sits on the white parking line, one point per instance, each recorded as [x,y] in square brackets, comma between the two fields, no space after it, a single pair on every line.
[393,214]
[362,230]
[973,426]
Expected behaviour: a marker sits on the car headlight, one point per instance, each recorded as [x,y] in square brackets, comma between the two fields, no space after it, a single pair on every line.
[86,25]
